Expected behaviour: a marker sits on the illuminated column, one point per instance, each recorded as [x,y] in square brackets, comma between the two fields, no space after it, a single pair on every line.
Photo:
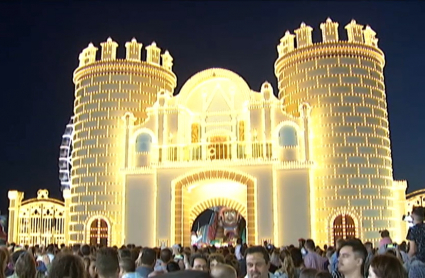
[105,90]
[15,200]
[343,83]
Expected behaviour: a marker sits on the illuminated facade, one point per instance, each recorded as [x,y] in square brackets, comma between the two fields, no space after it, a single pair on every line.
[314,162]
[41,220]
[344,84]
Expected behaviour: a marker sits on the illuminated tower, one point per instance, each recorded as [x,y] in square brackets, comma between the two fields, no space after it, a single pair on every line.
[105,90]
[343,82]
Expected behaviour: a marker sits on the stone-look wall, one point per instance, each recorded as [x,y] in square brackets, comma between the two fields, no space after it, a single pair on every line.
[344,84]
[104,91]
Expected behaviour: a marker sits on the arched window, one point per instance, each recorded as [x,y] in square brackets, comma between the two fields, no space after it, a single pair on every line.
[343,227]
[288,136]
[143,142]
[99,232]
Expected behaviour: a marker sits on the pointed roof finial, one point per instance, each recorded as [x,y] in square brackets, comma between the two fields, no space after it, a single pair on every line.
[302,24]
[109,39]
[328,19]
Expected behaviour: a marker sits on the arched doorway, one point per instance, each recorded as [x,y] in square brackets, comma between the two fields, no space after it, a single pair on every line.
[99,232]
[217,226]
[198,191]
[343,227]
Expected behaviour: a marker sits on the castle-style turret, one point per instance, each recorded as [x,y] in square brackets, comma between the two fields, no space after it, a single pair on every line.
[343,83]
[105,90]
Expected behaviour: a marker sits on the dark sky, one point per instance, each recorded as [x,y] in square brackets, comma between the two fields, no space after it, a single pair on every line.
[40,44]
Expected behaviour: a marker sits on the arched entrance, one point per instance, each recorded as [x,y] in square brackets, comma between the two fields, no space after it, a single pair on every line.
[198,191]
[218,225]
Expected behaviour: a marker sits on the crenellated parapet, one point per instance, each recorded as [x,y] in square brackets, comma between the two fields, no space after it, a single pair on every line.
[133,53]
[356,33]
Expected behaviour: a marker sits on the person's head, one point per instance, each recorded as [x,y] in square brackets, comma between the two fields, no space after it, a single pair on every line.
[85,250]
[351,257]
[107,265]
[215,259]
[239,241]
[369,246]
[323,274]
[386,266]
[166,255]
[76,249]
[127,265]
[25,265]
[310,246]
[287,263]
[67,265]
[308,273]
[172,266]
[297,257]
[418,215]
[339,242]
[148,257]
[124,253]
[198,262]
[257,262]
[223,271]
[385,233]
[301,243]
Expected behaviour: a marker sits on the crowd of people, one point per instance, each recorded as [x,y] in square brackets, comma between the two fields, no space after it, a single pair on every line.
[349,258]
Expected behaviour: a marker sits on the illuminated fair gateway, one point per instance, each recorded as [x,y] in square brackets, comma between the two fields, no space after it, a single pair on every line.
[313,163]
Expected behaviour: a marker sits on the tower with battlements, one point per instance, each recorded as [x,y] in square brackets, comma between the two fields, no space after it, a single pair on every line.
[353,192]
[105,90]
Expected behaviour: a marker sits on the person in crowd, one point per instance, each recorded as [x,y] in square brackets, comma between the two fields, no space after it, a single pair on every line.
[67,265]
[198,262]
[4,261]
[323,274]
[334,258]
[92,267]
[386,266]
[403,252]
[287,269]
[274,260]
[242,262]
[85,250]
[147,261]
[308,273]
[165,256]
[257,262]
[76,249]
[238,247]
[297,258]
[351,259]
[223,271]
[107,264]
[127,268]
[369,249]
[312,259]
[215,259]
[301,246]
[172,266]
[385,240]
[416,235]
[25,267]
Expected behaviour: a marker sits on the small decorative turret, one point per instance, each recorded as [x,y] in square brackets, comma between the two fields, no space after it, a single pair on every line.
[267,90]
[109,49]
[286,44]
[369,36]
[354,32]
[88,55]
[304,35]
[329,30]
[153,53]
[133,50]
[167,60]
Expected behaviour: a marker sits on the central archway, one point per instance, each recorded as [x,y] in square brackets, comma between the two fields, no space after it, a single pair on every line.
[195,192]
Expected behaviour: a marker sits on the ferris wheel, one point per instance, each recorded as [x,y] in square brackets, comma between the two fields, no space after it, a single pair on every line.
[65,156]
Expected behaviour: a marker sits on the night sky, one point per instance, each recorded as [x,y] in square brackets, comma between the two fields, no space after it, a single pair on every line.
[40,44]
